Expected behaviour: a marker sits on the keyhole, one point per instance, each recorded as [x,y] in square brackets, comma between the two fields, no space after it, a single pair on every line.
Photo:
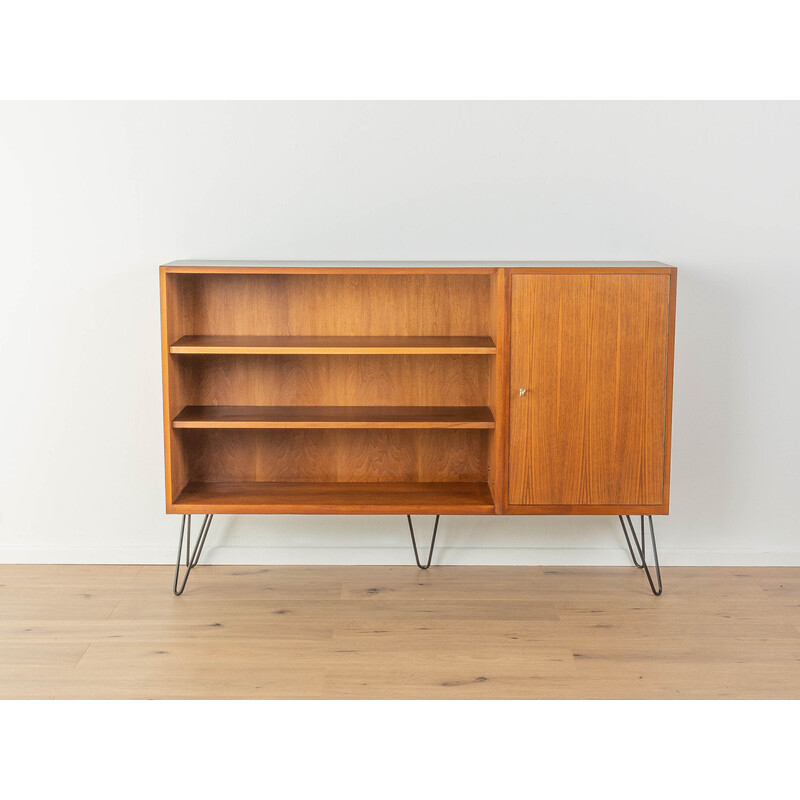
[523,392]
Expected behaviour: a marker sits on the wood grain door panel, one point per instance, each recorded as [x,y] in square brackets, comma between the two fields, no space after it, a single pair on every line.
[591,352]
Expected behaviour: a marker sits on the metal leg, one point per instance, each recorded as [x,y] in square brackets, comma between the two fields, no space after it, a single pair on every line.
[191,560]
[640,548]
[414,541]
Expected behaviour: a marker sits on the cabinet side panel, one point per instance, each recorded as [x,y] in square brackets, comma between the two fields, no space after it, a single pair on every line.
[162,276]
[670,371]
[175,321]
[591,353]
[498,390]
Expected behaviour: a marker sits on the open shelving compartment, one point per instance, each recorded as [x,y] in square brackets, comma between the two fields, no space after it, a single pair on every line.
[330,391]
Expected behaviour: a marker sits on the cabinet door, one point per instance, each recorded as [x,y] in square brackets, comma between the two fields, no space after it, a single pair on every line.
[590,353]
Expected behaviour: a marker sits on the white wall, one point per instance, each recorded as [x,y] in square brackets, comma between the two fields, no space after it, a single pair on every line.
[94,196]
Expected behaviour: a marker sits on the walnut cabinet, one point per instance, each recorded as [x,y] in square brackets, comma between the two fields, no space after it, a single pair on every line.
[423,387]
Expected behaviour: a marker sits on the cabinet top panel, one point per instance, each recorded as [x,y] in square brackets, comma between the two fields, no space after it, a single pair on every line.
[191,264]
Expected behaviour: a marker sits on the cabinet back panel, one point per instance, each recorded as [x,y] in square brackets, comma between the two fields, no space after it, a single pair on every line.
[591,350]
[311,380]
[337,305]
[336,455]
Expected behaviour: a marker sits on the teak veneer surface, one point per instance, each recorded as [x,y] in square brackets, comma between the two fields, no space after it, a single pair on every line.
[334,417]
[336,304]
[401,267]
[333,345]
[336,498]
[320,338]
[340,380]
[591,351]
[336,454]
[592,342]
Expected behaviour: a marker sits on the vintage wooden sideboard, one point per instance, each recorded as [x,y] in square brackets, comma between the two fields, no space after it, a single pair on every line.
[417,388]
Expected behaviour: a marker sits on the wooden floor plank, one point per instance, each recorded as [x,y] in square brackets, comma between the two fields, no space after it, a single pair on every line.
[476,673]
[228,627]
[26,654]
[87,575]
[395,632]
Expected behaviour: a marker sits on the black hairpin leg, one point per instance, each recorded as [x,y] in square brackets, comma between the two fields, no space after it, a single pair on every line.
[414,541]
[640,548]
[191,560]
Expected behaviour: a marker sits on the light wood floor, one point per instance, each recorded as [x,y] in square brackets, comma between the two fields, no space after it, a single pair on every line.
[397,632]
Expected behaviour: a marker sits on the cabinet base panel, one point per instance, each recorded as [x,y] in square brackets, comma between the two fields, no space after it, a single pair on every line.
[334,498]
[594,509]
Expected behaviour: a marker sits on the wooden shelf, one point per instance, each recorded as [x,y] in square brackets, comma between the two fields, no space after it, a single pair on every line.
[335,498]
[334,417]
[342,345]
